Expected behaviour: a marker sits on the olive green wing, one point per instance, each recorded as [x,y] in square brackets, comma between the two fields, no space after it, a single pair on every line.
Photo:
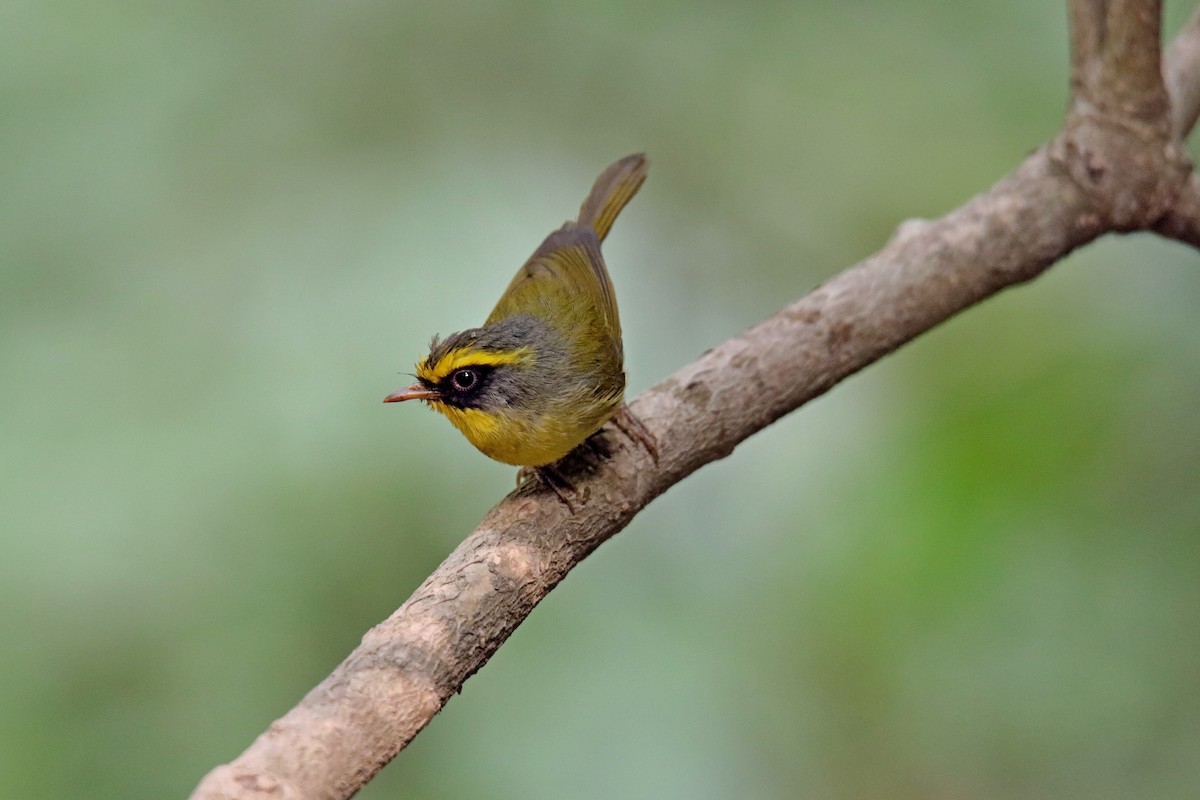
[566,276]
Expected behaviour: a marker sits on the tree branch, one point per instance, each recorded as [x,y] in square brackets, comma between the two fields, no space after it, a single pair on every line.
[1115,166]
[1117,140]
[1180,68]
[1115,59]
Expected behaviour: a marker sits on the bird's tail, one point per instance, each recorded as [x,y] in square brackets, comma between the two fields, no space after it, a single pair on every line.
[612,190]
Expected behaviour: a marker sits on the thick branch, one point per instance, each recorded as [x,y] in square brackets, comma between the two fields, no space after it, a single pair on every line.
[1115,59]
[1117,140]
[409,665]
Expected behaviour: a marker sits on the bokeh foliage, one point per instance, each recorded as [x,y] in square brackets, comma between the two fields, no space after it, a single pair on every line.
[968,572]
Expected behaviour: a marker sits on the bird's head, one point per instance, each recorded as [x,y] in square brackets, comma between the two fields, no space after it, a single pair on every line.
[492,382]
[468,370]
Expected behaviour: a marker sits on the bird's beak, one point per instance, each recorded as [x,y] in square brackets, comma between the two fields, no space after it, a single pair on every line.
[414,392]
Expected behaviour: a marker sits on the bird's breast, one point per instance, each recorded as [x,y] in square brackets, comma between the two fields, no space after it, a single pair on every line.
[530,441]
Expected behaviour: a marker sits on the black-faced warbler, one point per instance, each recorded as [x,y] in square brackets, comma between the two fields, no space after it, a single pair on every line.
[546,369]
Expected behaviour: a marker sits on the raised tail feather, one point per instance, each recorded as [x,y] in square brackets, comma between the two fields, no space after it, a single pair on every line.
[612,190]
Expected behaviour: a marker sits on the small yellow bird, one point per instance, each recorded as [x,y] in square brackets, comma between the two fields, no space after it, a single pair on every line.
[546,369]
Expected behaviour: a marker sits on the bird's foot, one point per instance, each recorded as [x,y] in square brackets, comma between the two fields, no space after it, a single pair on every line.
[633,427]
[552,478]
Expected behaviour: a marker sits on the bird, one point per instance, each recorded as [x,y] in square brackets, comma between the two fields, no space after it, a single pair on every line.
[546,369]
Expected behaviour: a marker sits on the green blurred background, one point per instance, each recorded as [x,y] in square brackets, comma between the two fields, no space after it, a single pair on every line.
[225,228]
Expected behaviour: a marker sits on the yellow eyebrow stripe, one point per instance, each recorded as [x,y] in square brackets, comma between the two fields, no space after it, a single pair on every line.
[468,357]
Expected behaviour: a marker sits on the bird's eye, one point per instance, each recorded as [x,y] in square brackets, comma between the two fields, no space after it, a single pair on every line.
[464,379]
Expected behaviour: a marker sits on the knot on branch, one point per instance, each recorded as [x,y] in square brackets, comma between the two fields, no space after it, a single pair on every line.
[246,782]
[1131,171]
